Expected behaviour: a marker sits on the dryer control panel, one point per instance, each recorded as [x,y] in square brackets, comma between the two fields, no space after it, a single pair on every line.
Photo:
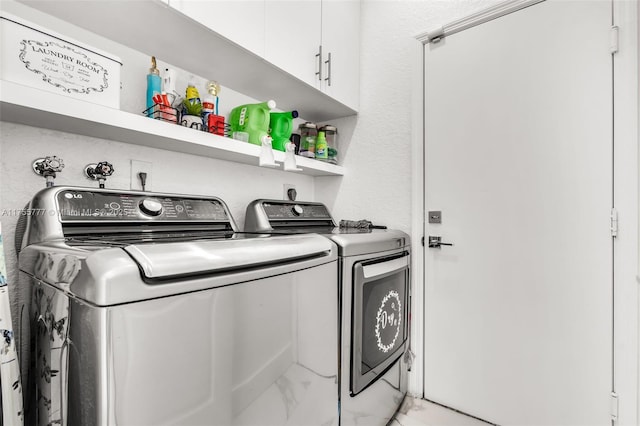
[292,210]
[291,216]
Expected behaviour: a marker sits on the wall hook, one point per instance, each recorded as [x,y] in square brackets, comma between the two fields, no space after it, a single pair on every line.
[266,153]
[290,158]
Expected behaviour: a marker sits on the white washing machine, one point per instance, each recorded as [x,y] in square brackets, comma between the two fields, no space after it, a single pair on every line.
[374,299]
[150,309]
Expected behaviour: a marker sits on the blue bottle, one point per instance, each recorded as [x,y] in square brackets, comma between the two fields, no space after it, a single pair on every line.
[154,86]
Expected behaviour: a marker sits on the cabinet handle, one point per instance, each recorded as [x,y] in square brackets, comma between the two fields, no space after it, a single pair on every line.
[319,56]
[328,62]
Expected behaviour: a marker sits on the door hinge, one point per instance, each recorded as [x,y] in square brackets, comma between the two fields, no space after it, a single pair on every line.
[614,40]
[614,222]
[614,406]
[422,241]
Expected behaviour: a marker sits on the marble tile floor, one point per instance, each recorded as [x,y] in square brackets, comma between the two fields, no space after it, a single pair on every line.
[418,412]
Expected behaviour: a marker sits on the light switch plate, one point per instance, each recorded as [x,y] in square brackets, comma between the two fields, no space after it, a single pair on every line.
[435,216]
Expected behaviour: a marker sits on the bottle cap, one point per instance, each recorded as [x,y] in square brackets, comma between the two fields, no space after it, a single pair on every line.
[328,128]
[213,88]
[154,67]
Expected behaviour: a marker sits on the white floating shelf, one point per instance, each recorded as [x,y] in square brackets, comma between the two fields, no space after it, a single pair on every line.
[34,107]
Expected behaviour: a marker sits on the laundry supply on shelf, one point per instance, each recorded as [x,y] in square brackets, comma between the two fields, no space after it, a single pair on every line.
[154,86]
[213,123]
[252,119]
[321,147]
[308,135]
[191,104]
[280,128]
[192,108]
[331,136]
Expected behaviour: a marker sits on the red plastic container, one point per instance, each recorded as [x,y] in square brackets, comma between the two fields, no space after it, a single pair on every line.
[215,124]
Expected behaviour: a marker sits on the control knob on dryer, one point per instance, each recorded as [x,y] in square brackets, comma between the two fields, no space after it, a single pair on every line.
[297,210]
[151,207]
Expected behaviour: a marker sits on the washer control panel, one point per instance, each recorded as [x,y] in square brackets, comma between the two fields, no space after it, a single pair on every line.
[84,205]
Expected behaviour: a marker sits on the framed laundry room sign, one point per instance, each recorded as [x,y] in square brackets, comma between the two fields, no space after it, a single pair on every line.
[36,57]
[63,66]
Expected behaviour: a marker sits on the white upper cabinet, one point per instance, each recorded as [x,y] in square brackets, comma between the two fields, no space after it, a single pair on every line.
[341,50]
[293,38]
[239,21]
[317,41]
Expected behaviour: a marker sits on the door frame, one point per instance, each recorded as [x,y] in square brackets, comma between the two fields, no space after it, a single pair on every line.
[626,170]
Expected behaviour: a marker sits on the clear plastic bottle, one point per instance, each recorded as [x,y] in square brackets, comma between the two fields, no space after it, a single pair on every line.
[331,134]
[308,135]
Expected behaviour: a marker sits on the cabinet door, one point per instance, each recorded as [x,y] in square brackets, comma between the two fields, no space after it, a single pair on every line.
[239,21]
[292,37]
[341,40]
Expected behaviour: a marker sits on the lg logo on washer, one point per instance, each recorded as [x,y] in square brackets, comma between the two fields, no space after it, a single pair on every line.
[388,321]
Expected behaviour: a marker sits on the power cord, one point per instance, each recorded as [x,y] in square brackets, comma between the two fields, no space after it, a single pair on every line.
[143,180]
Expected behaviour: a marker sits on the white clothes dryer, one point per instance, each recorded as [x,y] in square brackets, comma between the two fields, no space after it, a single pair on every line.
[374,299]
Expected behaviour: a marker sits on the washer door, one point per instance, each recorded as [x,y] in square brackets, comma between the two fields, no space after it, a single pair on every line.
[380,313]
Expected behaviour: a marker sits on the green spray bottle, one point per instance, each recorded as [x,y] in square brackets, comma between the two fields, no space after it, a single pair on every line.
[280,128]
[252,119]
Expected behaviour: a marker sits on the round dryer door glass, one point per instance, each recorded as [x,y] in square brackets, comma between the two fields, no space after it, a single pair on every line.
[383,308]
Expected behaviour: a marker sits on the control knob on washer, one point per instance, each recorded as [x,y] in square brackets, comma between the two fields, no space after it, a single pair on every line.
[151,207]
[297,210]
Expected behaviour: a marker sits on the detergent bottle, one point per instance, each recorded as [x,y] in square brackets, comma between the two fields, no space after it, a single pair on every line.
[331,135]
[321,147]
[280,128]
[252,119]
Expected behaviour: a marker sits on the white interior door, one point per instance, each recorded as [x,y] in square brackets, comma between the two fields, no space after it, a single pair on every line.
[518,157]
